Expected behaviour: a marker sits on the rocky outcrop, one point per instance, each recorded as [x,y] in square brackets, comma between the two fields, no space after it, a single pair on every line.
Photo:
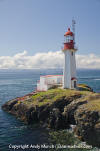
[57,120]
[50,113]
[58,108]
[70,109]
[88,126]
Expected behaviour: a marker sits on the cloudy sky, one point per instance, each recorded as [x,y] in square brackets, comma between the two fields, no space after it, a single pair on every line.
[38,26]
[46,60]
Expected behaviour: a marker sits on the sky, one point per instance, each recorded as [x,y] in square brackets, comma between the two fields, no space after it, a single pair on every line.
[35,28]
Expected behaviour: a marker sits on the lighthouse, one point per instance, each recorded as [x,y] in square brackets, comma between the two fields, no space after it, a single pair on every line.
[69,71]
[68,79]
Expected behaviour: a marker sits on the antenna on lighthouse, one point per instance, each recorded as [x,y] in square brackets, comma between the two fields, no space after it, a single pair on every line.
[73,28]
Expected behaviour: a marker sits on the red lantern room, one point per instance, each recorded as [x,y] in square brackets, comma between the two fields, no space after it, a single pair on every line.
[69,40]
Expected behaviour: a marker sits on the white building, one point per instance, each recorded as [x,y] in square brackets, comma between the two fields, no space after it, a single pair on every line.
[68,79]
[48,81]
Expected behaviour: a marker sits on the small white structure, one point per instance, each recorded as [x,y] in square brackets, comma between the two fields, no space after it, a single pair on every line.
[49,81]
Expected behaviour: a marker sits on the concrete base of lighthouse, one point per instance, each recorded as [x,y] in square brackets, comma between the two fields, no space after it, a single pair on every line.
[69,72]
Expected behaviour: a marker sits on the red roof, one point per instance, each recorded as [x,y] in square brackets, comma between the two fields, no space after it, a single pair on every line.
[68,33]
[50,75]
[73,78]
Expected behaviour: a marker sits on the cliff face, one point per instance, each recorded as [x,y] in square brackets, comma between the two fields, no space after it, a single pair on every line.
[45,107]
[87,118]
[58,108]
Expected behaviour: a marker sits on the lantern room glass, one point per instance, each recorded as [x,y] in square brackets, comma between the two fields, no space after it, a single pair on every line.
[68,38]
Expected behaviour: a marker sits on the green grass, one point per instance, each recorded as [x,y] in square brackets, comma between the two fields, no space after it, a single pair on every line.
[83,87]
[92,105]
[53,95]
[50,96]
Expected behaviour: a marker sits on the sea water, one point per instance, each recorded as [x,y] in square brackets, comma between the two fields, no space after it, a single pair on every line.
[15,83]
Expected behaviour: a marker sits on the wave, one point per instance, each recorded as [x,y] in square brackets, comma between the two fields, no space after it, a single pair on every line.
[89,78]
[96,79]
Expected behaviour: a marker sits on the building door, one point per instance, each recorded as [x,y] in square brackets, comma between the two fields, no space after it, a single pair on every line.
[74,84]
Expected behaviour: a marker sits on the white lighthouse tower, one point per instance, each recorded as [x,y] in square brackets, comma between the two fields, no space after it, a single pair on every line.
[69,72]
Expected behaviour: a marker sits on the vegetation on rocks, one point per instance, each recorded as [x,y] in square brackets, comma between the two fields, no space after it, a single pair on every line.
[50,96]
[59,108]
[84,87]
[66,140]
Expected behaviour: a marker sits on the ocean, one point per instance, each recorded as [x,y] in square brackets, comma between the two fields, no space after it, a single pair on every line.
[15,83]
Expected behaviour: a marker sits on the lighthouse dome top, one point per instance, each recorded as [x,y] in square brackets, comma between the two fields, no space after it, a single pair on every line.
[68,33]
